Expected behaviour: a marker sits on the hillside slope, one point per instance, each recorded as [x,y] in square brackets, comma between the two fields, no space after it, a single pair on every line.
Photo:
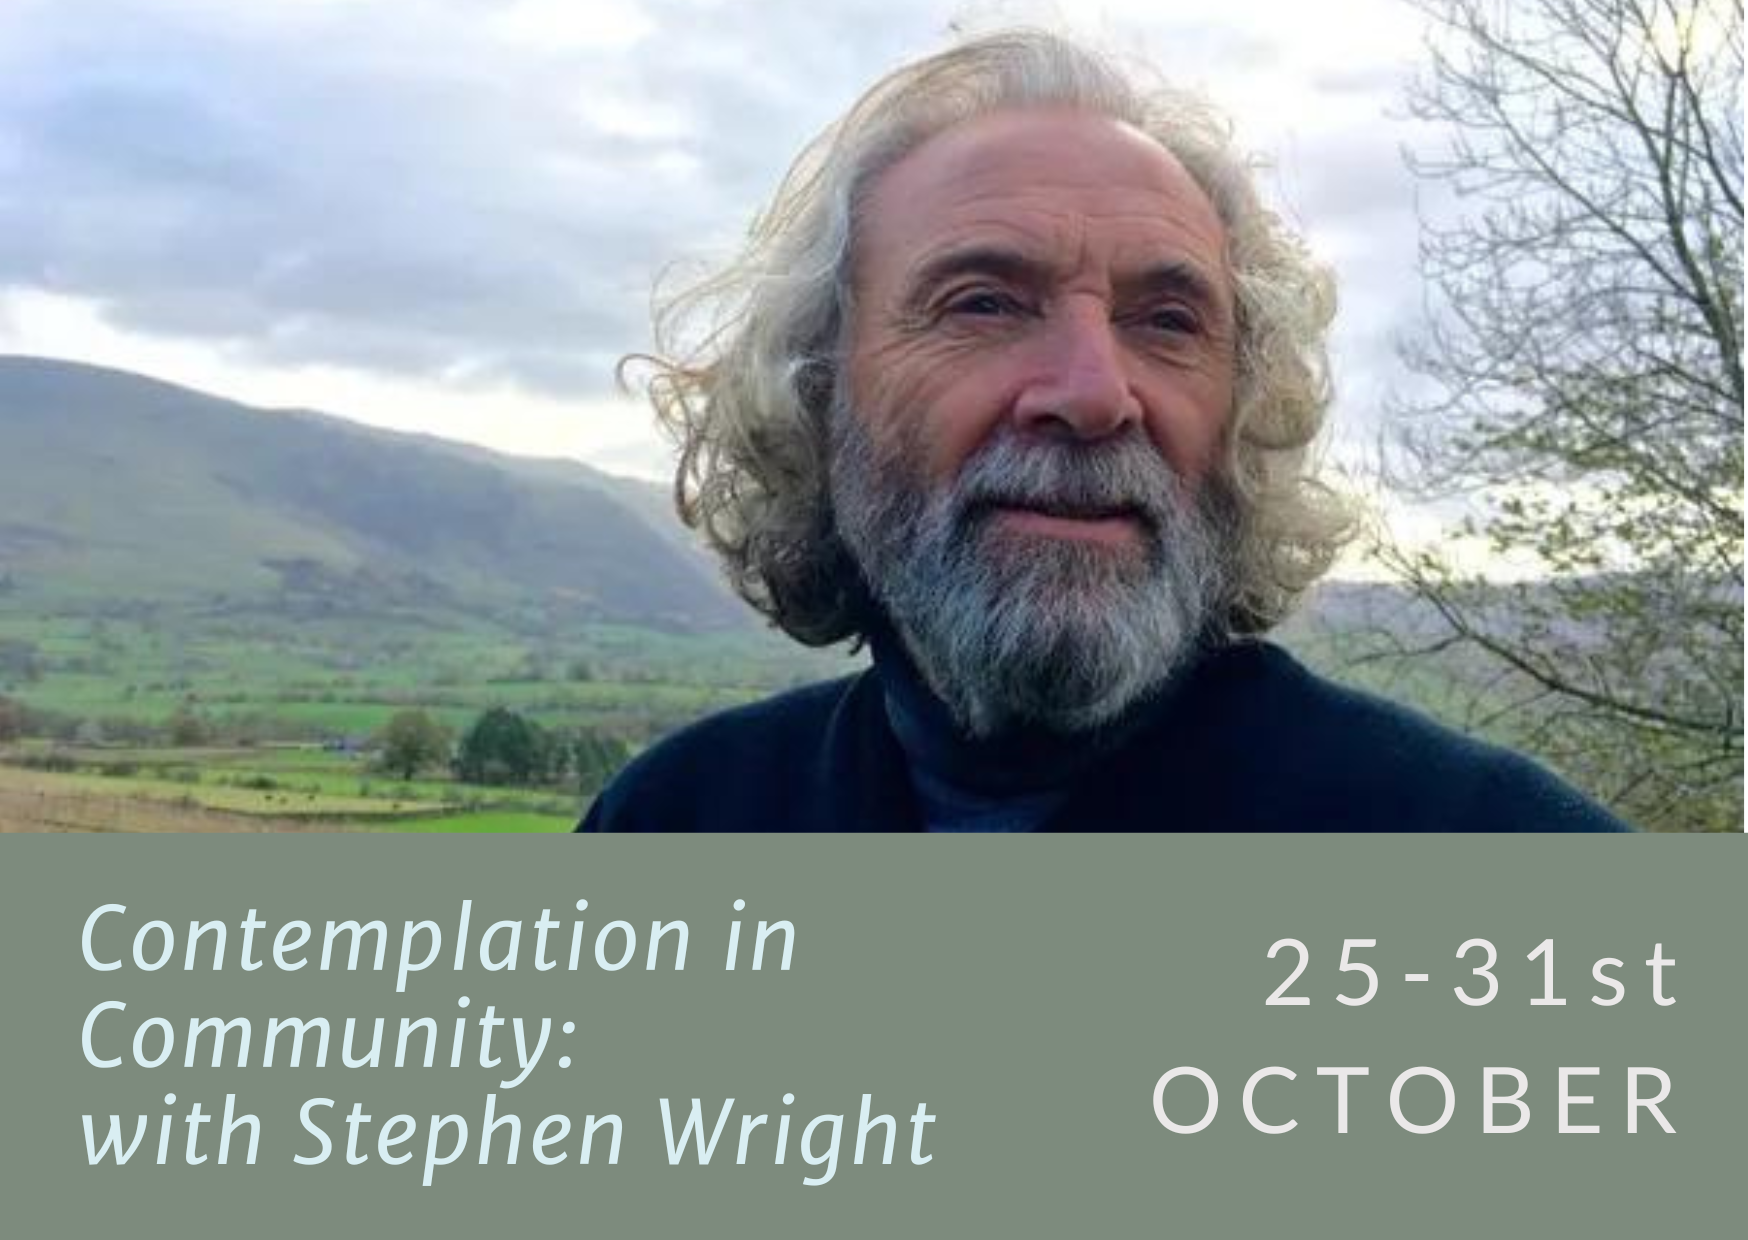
[113,485]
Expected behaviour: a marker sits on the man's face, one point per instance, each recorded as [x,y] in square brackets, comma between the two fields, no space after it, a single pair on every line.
[1039,373]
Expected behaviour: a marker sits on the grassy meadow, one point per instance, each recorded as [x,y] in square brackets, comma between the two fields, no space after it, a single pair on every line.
[279,709]
[287,708]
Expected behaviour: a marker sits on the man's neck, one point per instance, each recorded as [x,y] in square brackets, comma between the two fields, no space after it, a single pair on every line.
[1020,763]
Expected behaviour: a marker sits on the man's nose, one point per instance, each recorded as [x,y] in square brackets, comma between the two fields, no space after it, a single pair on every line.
[1081,387]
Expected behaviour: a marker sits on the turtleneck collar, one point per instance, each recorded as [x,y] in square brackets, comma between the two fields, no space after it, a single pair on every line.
[1022,765]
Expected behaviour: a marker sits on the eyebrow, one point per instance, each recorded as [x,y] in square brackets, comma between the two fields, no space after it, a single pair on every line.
[1178,278]
[1009,265]
[1175,276]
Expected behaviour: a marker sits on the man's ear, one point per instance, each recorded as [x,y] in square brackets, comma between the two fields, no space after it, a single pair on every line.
[815,383]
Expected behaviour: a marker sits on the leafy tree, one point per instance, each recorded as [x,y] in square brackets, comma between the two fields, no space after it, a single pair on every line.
[501,747]
[1583,382]
[411,741]
[11,720]
[595,757]
[187,727]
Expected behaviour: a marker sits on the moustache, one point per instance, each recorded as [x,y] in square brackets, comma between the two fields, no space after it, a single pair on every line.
[1124,477]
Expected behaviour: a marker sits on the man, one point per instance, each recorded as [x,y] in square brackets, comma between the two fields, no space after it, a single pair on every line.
[1015,381]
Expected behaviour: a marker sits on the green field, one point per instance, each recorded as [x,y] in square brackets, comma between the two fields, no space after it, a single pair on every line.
[287,709]
[315,679]
[284,711]
[217,788]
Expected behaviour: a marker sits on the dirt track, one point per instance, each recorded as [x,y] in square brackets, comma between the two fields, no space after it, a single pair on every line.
[37,810]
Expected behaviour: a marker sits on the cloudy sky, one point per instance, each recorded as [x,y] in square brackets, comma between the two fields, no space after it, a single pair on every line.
[446,215]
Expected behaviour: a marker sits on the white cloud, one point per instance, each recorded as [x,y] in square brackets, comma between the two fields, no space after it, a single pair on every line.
[610,431]
[447,215]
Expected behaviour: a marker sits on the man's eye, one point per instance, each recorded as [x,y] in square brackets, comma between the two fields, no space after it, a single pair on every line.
[981,303]
[1173,320]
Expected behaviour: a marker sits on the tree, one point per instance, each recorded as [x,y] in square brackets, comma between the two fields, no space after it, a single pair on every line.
[1583,382]
[410,741]
[501,747]
[11,720]
[594,758]
[187,727]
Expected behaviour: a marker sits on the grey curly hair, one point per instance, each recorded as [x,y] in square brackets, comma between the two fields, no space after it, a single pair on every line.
[746,360]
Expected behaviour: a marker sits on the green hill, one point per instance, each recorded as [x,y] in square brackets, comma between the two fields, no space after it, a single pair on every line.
[118,487]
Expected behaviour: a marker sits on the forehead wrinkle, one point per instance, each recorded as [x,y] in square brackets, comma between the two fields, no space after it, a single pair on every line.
[1002,250]
[965,187]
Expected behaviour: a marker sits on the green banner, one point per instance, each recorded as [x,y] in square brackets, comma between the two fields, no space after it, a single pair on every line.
[875,1036]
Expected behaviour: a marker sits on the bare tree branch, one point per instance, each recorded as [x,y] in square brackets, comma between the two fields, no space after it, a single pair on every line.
[1584,386]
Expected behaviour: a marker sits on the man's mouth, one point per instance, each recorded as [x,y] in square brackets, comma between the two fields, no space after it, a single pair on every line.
[1113,524]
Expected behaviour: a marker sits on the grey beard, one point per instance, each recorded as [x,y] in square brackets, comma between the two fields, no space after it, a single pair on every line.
[1015,631]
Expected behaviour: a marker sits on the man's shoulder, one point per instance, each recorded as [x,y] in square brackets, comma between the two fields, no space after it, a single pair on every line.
[1380,765]
[1335,714]
[724,767]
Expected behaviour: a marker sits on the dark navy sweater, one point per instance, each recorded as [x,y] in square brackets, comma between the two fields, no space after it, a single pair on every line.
[1245,739]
